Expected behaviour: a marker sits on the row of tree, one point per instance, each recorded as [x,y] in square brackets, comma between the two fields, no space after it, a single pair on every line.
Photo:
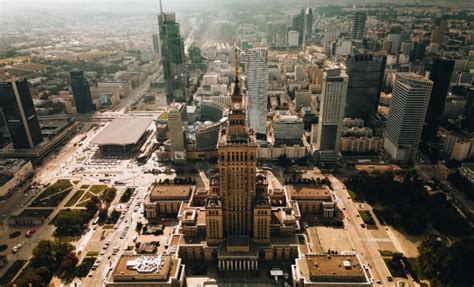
[447,265]
[405,203]
[50,257]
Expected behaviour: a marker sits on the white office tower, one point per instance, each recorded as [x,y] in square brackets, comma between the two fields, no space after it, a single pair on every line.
[257,87]
[410,98]
[331,113]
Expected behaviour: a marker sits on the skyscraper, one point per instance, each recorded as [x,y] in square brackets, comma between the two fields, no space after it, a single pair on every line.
[440,75]
[366,74]
[437,35]
[172,57]
[303,23]
[176,126]
[277,35]
[19,114]
[237,185]
[410,97]
[358,26]
[156,43]
[257,86]
[81,92]
[331,113]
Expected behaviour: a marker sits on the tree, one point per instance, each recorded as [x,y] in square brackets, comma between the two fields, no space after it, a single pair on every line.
[139,226]
[68,264]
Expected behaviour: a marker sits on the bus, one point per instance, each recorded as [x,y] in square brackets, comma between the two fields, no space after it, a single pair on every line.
[95,220]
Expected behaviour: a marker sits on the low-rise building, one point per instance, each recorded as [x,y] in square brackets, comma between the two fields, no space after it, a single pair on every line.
[313,199]
[147,270]
[325,270]
[166,199]
[467,170]
[13,172]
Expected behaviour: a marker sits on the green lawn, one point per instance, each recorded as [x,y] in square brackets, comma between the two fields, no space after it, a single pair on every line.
[75,198]
[52,201]
[58,186]
[38,213]
[85,186]
[98,188]
[353,195]
[12,271]
[367,217]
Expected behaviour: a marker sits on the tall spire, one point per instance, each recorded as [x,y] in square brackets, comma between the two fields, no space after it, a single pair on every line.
[236,64]
[161,7]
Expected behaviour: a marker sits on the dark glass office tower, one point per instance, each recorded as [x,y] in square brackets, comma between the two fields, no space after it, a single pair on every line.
[172,56]
[366,74]
[19,114]
[303,23]
[81,92]
[440,75]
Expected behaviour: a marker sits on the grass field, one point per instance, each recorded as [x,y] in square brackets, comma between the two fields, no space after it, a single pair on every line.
[75,198]
[38,213]
[367,217]
[98,188]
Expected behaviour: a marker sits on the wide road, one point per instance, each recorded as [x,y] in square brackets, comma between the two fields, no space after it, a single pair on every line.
[361,238]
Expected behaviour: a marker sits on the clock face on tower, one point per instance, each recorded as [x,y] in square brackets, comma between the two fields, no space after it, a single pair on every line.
[236,106]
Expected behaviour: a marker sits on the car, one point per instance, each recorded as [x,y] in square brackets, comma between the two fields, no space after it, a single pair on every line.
[362,225]
[390,278]
[102,252]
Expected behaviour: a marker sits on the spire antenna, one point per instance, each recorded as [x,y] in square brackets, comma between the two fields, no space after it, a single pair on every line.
[161,7]
[236,64]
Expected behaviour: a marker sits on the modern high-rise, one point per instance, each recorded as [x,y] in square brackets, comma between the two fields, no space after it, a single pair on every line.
[257,86]
[176,127]
[19,114]
[277,35]
[331,113]
[156,43]
[172,57]
[358,26]
[366,73]
[81,92]
[440,75]
[410,98]
[437,35]
[303,23]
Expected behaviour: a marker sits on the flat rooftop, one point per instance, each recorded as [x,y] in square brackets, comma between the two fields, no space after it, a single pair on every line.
[144,268]
[123,131]
[335,268]
[309,192]
[170,192]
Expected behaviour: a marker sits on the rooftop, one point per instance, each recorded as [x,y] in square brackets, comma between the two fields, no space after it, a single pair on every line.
[123,131]
[167,192]
[309,192]
[335,268]
[144,268]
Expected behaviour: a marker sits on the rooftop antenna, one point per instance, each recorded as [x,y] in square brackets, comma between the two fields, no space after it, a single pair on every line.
[161,7]
[236,64]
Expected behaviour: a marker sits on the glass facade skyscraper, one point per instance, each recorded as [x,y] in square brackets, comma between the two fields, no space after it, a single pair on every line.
[81,92]
[172,57]
[19,114]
